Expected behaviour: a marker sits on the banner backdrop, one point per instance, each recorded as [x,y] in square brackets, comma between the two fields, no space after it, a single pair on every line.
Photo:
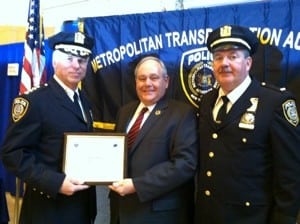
[179,38]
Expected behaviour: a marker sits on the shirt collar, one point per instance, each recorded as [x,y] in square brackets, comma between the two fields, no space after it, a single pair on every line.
[235,94]
[141,106]
[68,90]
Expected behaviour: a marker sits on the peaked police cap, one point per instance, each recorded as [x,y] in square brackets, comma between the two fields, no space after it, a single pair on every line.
[76,43]
[232,37]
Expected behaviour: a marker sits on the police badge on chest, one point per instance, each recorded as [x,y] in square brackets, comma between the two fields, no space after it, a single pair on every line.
[248,118]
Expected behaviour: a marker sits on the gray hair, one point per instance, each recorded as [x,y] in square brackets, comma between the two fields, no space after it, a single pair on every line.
[160,62]
[56,56]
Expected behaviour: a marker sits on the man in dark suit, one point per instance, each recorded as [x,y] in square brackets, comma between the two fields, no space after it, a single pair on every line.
[162,158]
[33,146]
[249,155]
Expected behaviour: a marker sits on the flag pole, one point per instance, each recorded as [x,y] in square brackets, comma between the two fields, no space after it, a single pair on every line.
[17,201]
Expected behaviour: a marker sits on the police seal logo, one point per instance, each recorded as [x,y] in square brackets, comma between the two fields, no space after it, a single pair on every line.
[196,74]
[19,108]
[290,112]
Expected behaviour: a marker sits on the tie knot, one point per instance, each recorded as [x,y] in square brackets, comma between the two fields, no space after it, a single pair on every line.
[225,99]
[144,110]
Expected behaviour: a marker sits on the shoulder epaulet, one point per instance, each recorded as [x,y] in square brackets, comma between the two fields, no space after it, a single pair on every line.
[273,87]
[35,88]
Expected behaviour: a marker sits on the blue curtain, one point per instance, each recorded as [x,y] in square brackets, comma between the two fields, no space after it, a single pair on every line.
[8,89]
[11,53]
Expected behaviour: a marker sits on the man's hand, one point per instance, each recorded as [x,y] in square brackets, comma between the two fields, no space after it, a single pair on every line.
[123,187]
[70,186]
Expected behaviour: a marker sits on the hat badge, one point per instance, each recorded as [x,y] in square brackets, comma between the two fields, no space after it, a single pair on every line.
[225,31]
[79,38]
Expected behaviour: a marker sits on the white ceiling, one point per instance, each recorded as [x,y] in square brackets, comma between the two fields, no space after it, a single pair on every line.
[55,12]
[50,4]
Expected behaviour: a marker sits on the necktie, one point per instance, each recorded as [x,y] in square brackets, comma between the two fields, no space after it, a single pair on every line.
[131,136]
[222,111]
[76,103]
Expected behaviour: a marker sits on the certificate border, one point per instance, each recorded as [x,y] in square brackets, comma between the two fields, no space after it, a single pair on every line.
[100,134]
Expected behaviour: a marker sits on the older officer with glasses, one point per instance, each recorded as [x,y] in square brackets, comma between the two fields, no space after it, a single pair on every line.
[33,146]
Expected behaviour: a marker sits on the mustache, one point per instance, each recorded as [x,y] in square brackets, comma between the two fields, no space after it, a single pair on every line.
[224,69]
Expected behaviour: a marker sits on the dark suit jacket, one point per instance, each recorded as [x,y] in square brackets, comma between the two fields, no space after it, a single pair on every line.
[249,176]
[162,164]
[33,151]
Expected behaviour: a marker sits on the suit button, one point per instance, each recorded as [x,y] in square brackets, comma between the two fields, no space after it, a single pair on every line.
[244,140]
[211,154]
[209,173]
[214,135]
[34,189]
[41,193]
[247,203]
[207,193]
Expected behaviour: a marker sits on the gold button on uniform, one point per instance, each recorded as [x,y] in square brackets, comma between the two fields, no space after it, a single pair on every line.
[209,173]
[247,203]
[207,193]
[214,135]
[211,154]
[244,140]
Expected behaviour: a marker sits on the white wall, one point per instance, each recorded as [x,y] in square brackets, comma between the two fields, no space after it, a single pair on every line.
[14,12]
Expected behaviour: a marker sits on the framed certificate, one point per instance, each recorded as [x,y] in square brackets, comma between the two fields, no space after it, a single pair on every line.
[95,158]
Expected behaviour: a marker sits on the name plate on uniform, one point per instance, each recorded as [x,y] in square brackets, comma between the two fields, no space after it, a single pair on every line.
[95,158]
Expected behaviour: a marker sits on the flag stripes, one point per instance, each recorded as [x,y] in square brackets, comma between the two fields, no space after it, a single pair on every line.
[34,61]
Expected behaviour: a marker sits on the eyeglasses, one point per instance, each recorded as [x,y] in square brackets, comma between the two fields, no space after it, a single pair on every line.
[70,58]
[80,60]
[232,56]
[153,78]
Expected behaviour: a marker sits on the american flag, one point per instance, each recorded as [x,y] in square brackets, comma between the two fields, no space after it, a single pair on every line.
[34,60]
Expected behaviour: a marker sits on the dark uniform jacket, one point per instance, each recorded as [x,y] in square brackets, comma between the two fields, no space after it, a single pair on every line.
[249,164]
[162,163]
[33,151]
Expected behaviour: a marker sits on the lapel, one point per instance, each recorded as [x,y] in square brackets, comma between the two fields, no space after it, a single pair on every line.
[126,116]
[207,107]
[154,116]
[87,109]
[242,104]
